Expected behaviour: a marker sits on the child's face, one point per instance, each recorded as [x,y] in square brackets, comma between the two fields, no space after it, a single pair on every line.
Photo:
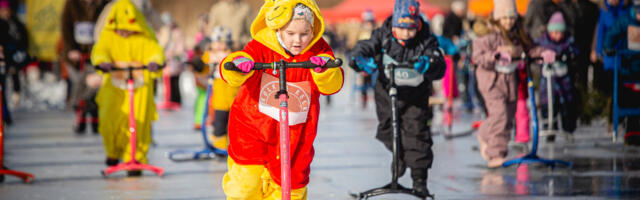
[613,2]
[507,22]
[218,46]
[404,34]
[556,36]
[296,35]
[124,33]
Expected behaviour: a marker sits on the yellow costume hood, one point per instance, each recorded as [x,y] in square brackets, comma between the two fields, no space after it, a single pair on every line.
[124,15]
[275,14]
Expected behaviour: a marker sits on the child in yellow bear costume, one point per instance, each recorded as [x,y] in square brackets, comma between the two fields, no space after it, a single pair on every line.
[126,40]
[289,30]
[223,93]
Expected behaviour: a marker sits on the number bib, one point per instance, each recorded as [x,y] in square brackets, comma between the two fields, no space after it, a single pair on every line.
[299,99]
[403,76]
[83,33]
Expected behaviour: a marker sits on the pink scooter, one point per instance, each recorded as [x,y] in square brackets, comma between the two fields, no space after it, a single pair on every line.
[282,95]
[133,164]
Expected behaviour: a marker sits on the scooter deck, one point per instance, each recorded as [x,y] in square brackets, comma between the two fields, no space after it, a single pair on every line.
[389,189]
[204,154]
[22,175]
[132,165]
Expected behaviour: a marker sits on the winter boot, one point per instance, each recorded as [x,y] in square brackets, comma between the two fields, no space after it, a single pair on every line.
[94,125]
[80,124]
[419,177]
[134,173]
[111,162]
[79,128]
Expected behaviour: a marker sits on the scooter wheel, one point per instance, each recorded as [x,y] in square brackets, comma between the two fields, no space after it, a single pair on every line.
[1,178]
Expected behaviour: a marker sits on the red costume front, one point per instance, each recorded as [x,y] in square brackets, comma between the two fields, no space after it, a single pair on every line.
[254,136]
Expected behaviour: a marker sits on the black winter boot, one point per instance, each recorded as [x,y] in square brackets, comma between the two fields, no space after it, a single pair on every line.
[79,128]
[94,128]
[419,177]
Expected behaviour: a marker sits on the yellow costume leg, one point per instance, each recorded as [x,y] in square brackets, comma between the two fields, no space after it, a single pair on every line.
[242,182]
[272,190]
[220,142]
[222,101]
[253,182]
[113,123]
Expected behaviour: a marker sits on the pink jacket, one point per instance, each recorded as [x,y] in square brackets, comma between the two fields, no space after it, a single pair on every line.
[483,55]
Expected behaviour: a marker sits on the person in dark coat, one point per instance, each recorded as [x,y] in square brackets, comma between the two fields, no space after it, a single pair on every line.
[581,19]
[452,28]
[624,34]
[15,41]
[78,21]
[537,16]
[404,38]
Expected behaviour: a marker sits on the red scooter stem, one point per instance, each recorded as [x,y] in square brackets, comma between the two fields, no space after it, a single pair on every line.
[285,161]
[132,119]
[133,164]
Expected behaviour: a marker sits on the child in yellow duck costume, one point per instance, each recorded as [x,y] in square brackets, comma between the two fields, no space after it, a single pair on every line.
[126,40]
[253,162]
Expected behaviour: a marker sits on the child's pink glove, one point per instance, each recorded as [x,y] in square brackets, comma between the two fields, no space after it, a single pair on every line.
[244,64]
[320,61]
[548,56]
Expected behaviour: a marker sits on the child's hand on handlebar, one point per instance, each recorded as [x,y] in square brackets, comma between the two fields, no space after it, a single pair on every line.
[503,58]
[422,65]
[153,67]
[366,64]
[105,67]
[548,56]
[319,61]
[244,64]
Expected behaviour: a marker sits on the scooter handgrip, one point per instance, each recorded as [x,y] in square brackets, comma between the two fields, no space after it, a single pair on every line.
[231,67]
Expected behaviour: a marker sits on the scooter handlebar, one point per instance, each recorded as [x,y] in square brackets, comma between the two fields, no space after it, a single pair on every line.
[307,64]
[97,67]
[403,65]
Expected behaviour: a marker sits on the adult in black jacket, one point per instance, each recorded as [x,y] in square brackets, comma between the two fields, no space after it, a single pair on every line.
[421,51]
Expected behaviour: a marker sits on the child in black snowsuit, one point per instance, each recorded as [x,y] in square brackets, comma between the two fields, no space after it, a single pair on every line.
[404,38]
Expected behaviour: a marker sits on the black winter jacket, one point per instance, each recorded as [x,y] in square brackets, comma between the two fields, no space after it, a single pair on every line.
[424,44]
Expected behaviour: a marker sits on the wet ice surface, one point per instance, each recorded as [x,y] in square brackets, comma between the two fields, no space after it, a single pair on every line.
[348,160]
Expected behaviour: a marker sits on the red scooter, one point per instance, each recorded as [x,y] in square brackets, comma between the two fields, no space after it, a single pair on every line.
[4,170]
[133,164]
[282,96]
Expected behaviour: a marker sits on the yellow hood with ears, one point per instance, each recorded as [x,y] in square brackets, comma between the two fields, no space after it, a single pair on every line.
[124,15]
[275,14]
